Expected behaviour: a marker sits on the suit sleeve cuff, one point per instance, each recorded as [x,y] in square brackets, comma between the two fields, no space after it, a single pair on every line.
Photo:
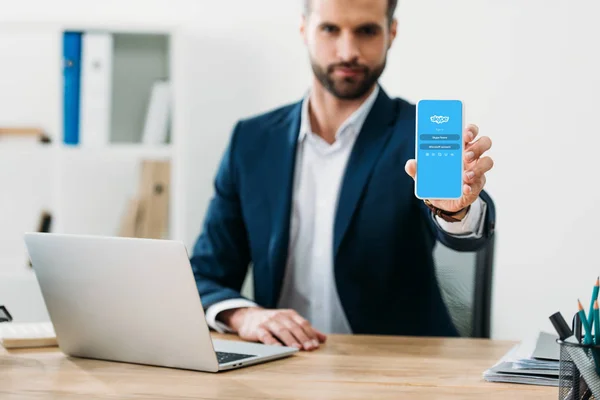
[471,225]
[215,309]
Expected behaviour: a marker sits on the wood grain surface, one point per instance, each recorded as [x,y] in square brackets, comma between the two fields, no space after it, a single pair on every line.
[346,367]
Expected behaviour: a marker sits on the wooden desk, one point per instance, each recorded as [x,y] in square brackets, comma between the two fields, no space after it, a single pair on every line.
[346,367]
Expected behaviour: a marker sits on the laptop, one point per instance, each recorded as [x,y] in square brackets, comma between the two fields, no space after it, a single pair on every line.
[132,300]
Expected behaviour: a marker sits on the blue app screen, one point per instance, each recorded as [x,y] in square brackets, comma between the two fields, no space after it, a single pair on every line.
[439,149]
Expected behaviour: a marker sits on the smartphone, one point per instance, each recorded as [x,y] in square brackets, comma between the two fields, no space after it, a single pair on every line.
[439,149]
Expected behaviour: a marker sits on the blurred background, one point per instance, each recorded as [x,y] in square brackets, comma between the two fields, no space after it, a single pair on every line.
[184,71]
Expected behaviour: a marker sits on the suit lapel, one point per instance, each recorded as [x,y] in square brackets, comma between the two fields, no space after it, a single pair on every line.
[365,153]
[281,159]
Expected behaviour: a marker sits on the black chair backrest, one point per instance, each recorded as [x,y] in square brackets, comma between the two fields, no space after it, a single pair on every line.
[465,279]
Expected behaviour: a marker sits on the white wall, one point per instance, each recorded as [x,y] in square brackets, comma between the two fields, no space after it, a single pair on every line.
[527,71]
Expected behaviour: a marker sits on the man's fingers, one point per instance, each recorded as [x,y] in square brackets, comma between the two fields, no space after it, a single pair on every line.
[474,188]
[304,324]
[477,186]
[476,149]
[310,331]
[471,133]
[300,334]
[481,184]
[282,333]
[265,337]
[411,168]
[478,169]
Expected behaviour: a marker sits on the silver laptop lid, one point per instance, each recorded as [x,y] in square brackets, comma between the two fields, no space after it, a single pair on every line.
[122,299]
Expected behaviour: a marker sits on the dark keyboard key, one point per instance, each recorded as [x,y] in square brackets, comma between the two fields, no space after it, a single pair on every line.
[223,357]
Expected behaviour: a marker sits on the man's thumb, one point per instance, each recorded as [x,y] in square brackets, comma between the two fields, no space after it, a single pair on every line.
[411,168]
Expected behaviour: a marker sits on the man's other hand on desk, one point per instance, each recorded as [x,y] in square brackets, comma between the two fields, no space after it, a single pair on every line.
[273,327]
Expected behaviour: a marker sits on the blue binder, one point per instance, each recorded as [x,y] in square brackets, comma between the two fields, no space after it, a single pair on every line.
[72,86]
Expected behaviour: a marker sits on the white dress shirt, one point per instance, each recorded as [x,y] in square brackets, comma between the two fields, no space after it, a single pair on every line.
[309,285]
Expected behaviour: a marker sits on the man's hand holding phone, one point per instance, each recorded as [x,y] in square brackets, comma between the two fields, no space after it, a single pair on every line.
[475,167]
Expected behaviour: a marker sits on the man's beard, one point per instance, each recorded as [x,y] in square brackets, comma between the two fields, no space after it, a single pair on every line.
[348,88]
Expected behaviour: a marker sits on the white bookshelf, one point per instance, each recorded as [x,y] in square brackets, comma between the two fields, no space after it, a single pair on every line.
[86,189]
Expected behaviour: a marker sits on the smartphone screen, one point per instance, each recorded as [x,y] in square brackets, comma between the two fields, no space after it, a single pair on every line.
[439,149]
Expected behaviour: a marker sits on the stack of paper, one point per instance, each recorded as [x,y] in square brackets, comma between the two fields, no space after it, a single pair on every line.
[533,362]
[27,334]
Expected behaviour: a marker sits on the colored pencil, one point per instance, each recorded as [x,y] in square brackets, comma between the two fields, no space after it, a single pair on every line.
[593,299]
[596,323]
[586,326]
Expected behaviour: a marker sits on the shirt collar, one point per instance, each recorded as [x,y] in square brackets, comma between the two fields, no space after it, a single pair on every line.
[352,124]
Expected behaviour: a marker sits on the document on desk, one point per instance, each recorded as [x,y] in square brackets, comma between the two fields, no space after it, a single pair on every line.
[27,334]
[522,364]
[546,347]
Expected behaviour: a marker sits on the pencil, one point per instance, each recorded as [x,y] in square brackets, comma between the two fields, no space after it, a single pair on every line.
[596,323]
[596,335]
[586,326]
[593,299]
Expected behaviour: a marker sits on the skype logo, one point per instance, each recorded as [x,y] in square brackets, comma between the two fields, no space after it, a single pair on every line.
[439,119]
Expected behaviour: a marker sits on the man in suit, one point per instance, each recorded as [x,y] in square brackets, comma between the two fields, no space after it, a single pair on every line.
[318,196]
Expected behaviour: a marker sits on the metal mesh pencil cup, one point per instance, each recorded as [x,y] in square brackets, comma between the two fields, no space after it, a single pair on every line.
[578,376]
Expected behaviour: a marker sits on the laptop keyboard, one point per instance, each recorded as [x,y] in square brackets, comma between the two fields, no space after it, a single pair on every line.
[223,357]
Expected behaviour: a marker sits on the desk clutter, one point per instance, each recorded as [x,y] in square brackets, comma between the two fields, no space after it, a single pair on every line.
[580,351]
[533,362]
[570,360]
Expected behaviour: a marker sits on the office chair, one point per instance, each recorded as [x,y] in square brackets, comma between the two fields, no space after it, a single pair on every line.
[465,279]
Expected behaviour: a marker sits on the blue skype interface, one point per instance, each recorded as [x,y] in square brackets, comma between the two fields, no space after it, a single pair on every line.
[439,148]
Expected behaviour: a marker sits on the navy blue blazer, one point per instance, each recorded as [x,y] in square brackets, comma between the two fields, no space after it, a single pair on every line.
[383,236]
